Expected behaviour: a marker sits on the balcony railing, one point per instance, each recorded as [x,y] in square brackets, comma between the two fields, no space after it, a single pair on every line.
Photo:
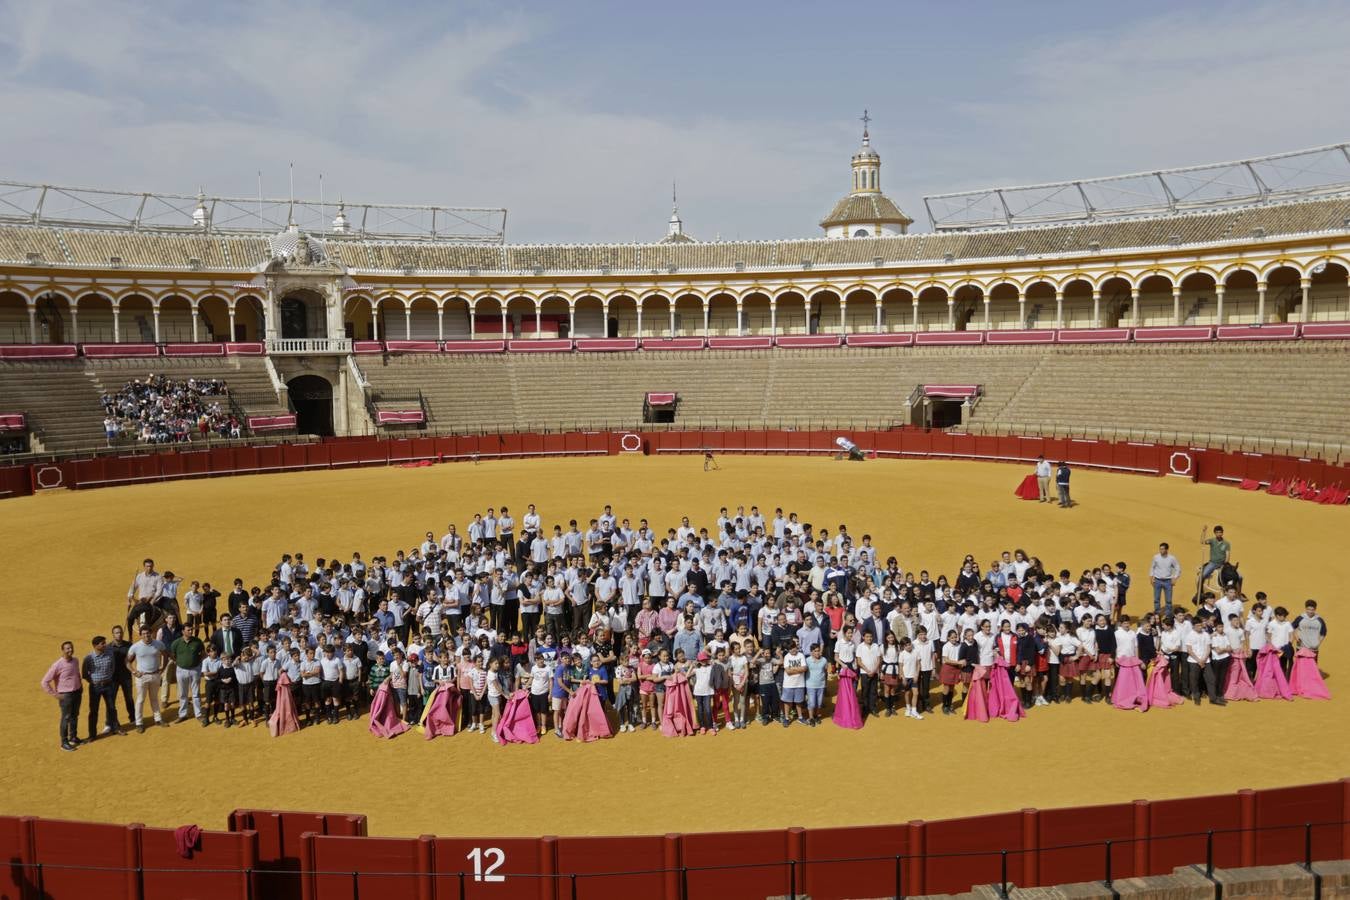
[302,346]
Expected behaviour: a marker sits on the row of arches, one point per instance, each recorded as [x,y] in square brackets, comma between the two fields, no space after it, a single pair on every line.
[1243,296]
[1235,295]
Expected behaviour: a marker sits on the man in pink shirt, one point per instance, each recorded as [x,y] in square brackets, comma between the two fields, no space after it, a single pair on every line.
[62,681]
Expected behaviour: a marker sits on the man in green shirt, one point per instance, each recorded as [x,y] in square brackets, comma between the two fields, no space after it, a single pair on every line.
[1218,553]
[187,651]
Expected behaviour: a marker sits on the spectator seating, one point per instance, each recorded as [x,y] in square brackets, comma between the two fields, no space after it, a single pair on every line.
[62,398]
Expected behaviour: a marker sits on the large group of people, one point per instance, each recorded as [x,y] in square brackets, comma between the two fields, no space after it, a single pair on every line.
[516,630]
[162,410]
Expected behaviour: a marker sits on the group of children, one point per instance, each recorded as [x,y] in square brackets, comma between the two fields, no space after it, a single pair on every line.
[752,621]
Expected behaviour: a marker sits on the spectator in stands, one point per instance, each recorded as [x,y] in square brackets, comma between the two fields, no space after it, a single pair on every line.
[160,410]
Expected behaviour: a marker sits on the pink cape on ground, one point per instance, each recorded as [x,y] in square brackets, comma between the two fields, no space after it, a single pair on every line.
[1160,694]
[847,713]
[385,721]
[1028,489]
[1129,692]
[1003,702]
[441,717]
[977,708]
[585,719]
[516,726]
[283,720]
[1239,685]
[1304,678]
[1270,681]
[677,716]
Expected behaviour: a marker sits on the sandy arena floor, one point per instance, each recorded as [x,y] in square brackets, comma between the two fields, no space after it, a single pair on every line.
[74,553]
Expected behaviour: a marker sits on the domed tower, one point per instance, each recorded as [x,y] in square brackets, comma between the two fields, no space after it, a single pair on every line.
[866,211]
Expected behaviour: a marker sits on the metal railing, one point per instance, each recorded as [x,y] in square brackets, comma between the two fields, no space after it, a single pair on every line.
[790,876]
[306,346]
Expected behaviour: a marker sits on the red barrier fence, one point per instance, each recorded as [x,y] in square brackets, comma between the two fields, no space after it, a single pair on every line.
[329,857]
[1197,464]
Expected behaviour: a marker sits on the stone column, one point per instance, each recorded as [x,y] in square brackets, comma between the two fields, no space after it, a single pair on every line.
[878,328]
[773,317]
[914,326]
[638,307]
[672,317]
[440,322]
[75,323]
[1022,307]
[117,327]
[706,314]
[988,317]
[1134,307]
[951,313]
[32,324]
[195,318]
[375,321]
[1176,304]
[506,329]
[1096,308]
[740,320]
[807,307]
[1306,286]
[154,313]
[538,319]
[1059,309]
[407,323]
[1218,298]
[843,314]
[571,320]
[229,307]
[1261,302]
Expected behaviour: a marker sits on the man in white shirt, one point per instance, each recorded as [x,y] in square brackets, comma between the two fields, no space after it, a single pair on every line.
[1162,574]
[1043,472]
[1200,666]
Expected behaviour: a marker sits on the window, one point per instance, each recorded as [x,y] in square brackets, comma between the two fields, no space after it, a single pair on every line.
[862,232]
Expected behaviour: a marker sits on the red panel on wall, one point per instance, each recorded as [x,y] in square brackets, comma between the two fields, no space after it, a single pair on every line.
[16,481]
[316,456]
[1187,333]
[531,442]
[38,351]
[344,454]
[733,440]
[958,838]
[112,351]
[81,846]
[606,345]
[14,879]
[684,343]
[1078,452]
[940,443]
[373,858]
[474,346]
[597,442]
[574,441]
[555,443]
[821,878]
[271,457]
[740,343]
[597,855]
[546,345]
[932,338]
[413,346]
[1033,336]
[764,853]
[898,339]
[832,340]
[1092,335]
[293,456]
[1177,832]
[169,876]
[1281,813]
[1275,331]
[400,450]
[1071,828]
[194,349]
[171,465]
[1326,331]
[495,869]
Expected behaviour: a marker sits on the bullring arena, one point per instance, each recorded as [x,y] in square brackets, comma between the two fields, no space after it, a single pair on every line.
[1188,363]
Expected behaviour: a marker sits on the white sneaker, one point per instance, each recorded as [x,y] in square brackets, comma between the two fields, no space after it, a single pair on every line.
[918,715]
[494,738]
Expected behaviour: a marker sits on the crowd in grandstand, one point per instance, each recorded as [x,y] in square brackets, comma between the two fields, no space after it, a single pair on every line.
[512,629]
[162,410]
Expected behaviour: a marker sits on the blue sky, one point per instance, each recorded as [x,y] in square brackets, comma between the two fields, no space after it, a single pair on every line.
[577,116]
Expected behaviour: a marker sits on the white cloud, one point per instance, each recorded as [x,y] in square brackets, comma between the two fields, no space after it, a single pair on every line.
[425,107]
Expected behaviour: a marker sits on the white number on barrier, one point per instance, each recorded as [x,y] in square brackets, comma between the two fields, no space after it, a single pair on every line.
[493,856]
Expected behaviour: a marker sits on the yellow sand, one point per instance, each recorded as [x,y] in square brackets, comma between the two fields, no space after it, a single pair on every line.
[71,556]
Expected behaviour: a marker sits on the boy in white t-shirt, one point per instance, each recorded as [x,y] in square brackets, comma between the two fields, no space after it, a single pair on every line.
[794,684]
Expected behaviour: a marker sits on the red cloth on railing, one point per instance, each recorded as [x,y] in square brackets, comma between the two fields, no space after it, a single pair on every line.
[186,838]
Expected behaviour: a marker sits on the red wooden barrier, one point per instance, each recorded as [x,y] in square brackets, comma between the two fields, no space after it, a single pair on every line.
[244,349]
[683,343]
[413,346]
[537,345]
[740,343]
[762,854]
[1326,331]
[111,351]
[823,879]
[899,339]
[606,345]
[1281,331]
[1155,333]
[947,338]
[221,866]
[1068,827]
[832,340]
[611,868]
[348,868]
[945,872]
[1092,335]
[38,351]
[495,868]
[194,349]
[474,346]
[367,346]
[1031,336]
